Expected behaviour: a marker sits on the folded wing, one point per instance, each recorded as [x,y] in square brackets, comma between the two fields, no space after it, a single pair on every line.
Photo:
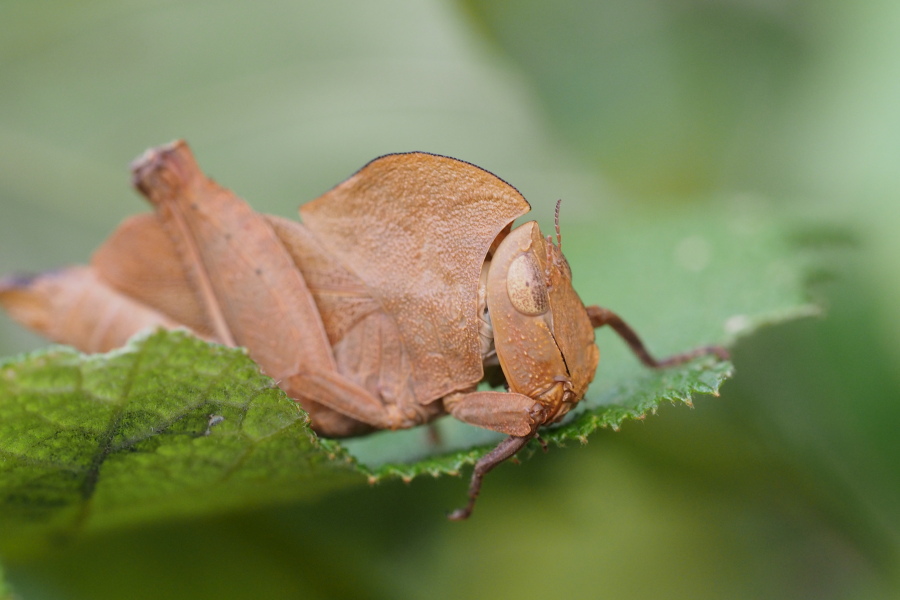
[415,229]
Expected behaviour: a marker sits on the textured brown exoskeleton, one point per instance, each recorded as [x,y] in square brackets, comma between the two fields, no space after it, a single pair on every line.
[381,311]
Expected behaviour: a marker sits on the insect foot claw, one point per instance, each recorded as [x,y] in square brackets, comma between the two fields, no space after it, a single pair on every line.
[504,450]
[460,514]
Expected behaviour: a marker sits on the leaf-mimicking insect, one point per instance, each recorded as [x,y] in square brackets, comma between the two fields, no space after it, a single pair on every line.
[402,288]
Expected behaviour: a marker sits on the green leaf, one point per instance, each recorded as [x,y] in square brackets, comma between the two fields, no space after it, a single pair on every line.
[168,426]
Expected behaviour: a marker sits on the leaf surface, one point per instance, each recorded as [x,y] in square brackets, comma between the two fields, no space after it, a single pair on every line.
[168,426]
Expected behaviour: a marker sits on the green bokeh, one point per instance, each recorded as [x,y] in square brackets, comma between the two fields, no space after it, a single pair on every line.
[784,487]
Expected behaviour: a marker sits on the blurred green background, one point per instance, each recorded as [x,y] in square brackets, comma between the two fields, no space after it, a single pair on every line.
[788,486]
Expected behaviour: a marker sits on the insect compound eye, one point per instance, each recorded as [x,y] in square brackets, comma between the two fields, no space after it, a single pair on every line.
[525,286]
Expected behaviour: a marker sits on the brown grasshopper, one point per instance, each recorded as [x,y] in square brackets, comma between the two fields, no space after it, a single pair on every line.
[385,309]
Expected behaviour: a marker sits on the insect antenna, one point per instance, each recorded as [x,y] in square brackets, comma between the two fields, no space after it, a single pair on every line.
[556,224]
[549,238]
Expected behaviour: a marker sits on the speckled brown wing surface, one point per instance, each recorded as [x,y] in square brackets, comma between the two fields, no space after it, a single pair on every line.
[140,261]
[416,228]
[75,306]
[135,281]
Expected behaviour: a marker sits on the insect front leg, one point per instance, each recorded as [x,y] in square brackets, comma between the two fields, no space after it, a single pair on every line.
[504,450]
[507,412]
[603,316]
